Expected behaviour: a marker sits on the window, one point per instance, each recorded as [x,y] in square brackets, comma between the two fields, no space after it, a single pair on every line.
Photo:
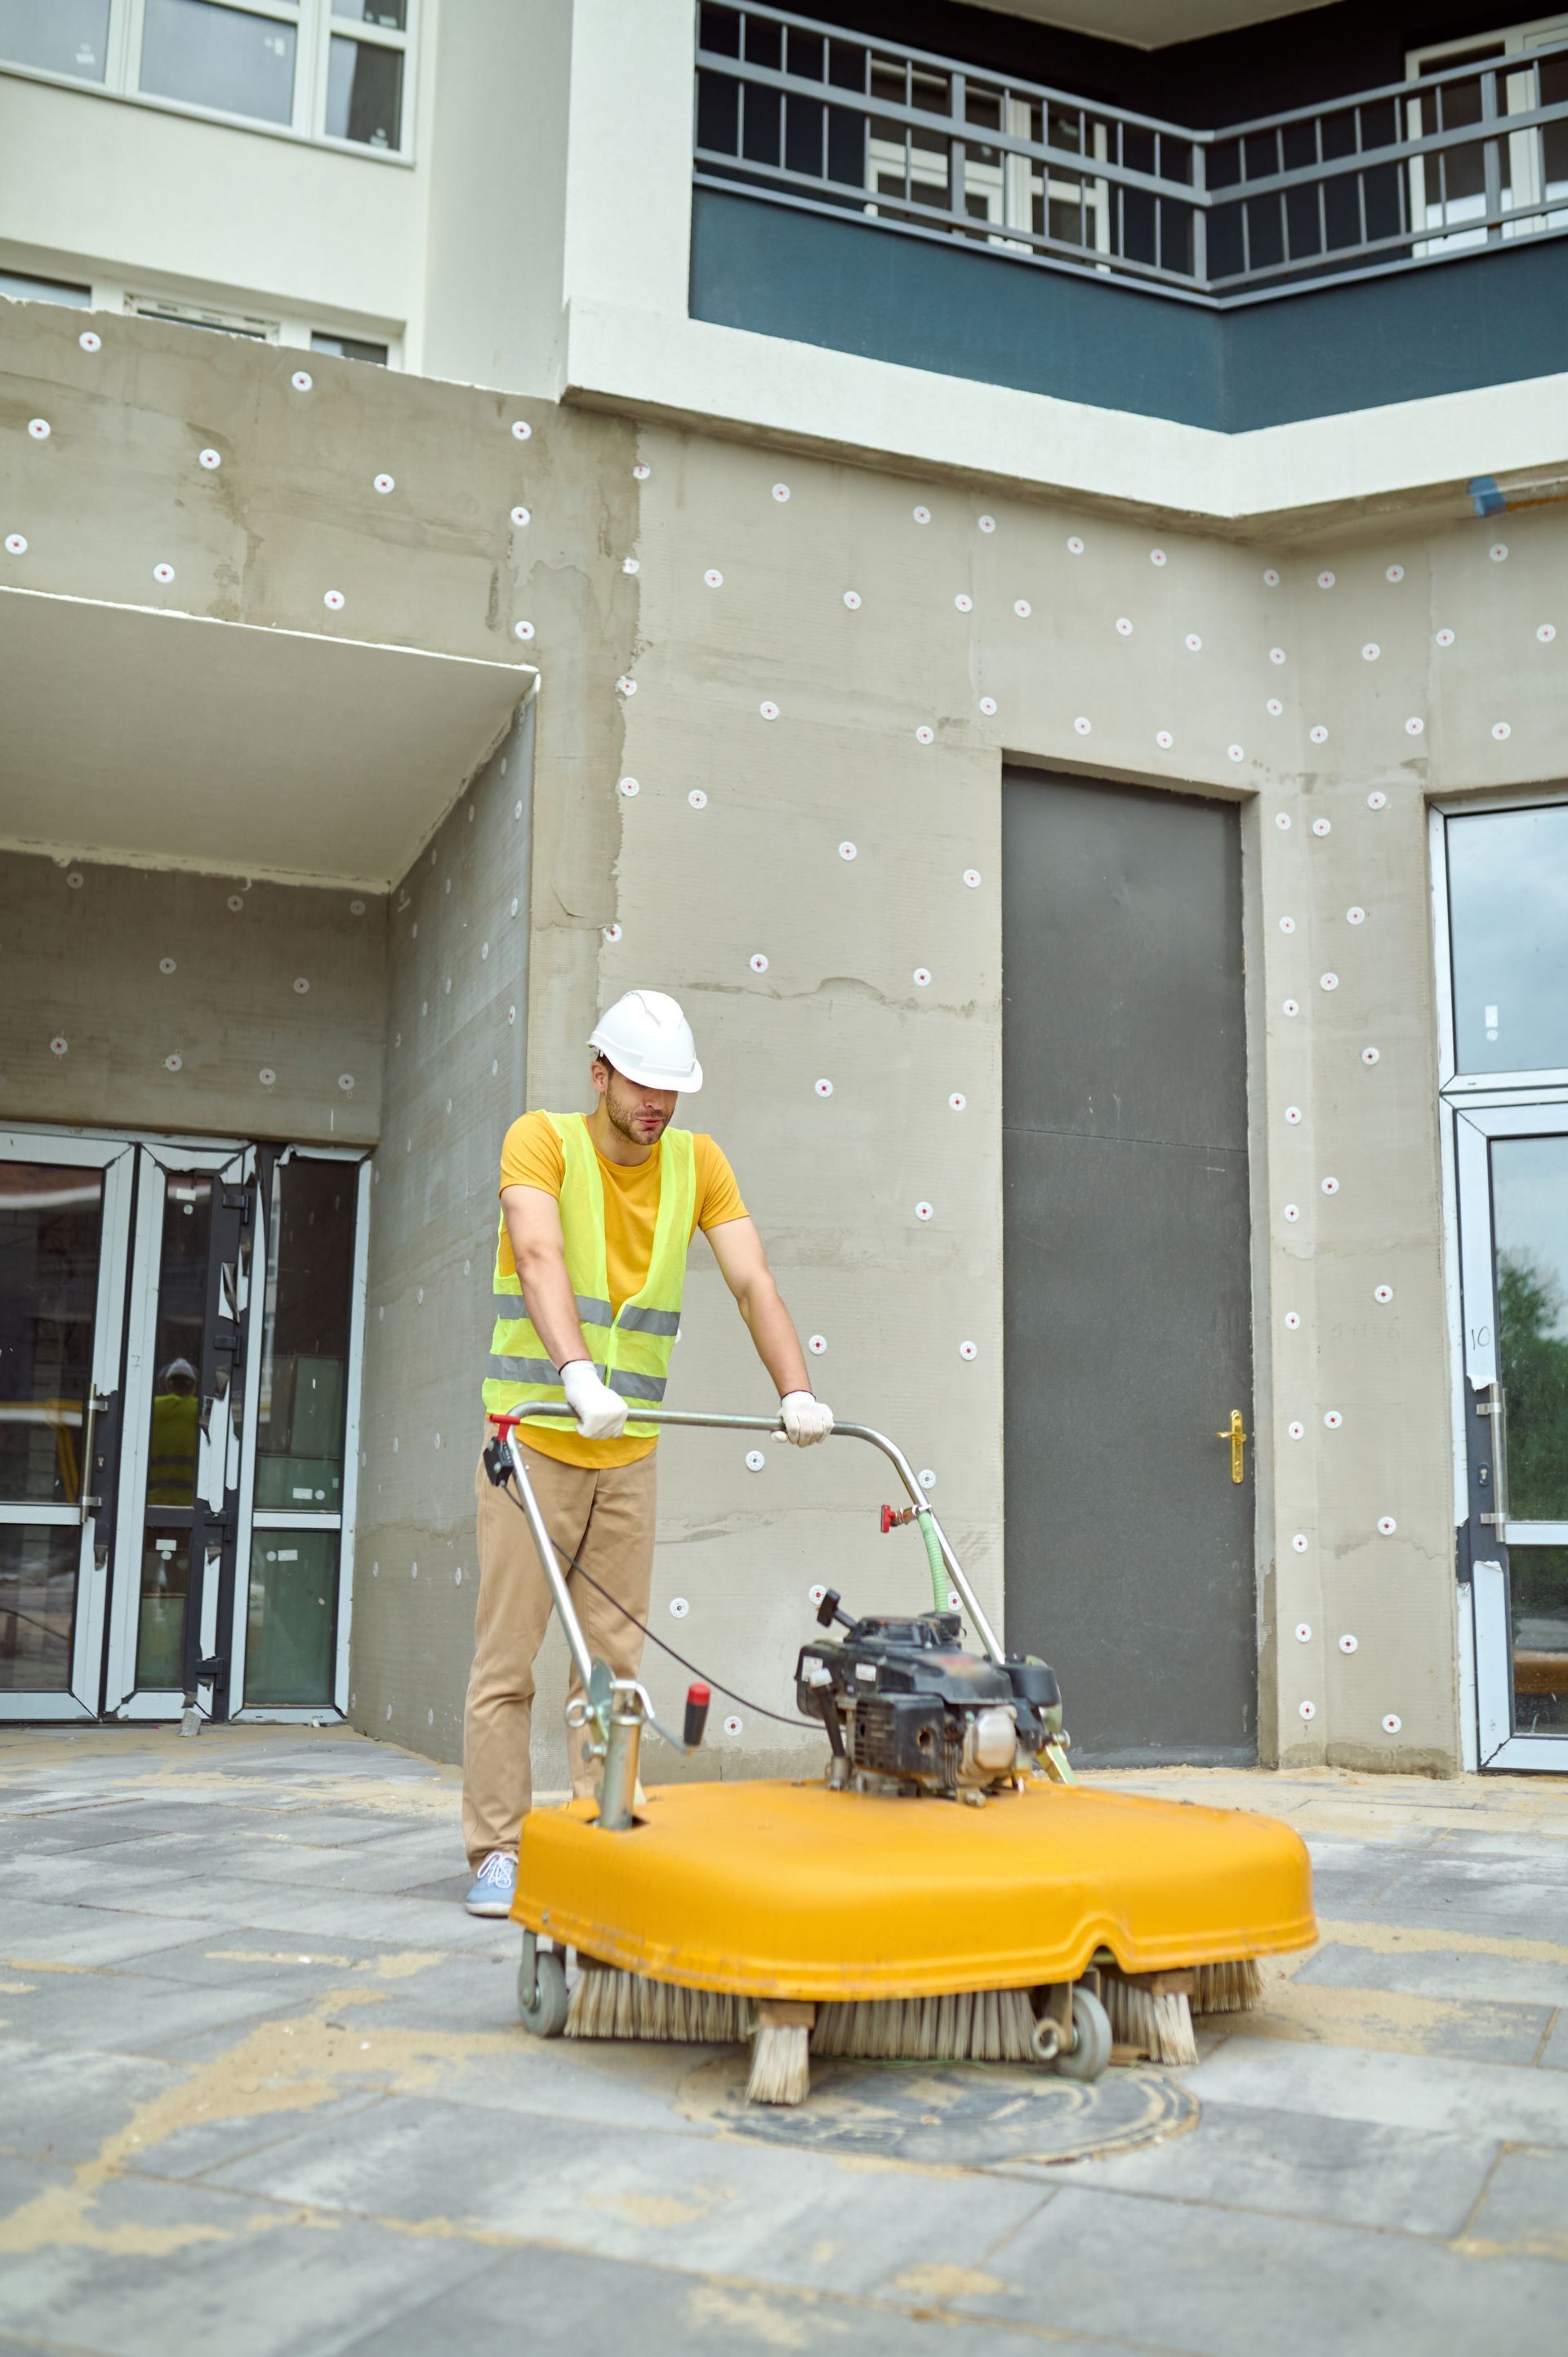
[349,347]
[212,54]
[1530,168]
[63,37]
[1508,890]
[23,287]
[287,331]
[195,315]
[337,71]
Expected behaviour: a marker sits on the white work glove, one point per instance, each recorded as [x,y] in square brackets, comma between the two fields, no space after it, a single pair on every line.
[600,1412]
[806,1419]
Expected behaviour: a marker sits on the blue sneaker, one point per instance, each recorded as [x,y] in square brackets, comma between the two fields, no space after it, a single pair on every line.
[493,1885]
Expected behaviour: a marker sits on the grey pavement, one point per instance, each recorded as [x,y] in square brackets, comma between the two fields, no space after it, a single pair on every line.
[260,2078]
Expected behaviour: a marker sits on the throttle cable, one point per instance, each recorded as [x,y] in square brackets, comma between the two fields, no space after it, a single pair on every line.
[761,1708]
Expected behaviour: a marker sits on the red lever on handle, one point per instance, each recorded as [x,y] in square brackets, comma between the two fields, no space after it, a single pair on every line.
[698,1697]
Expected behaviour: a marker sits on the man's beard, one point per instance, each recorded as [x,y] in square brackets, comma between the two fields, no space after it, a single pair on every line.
[624,1123]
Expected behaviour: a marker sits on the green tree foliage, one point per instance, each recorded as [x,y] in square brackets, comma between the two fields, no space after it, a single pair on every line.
[1533,1364]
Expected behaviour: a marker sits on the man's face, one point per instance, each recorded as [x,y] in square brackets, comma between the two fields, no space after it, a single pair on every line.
[640,1114]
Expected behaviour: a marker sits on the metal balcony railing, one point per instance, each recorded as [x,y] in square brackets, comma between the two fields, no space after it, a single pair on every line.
[1417,172]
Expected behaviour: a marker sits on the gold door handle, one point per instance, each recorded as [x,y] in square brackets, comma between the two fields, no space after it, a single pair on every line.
[1236,1435]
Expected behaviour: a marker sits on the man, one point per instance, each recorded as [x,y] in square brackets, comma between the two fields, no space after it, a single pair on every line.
[597,1216]
[177,1420]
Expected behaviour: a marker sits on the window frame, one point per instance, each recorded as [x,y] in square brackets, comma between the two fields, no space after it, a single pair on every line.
[1515,43]
[136,299]
[316,27]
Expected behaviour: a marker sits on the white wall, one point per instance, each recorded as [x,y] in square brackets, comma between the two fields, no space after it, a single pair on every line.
[498,74]
[104,190]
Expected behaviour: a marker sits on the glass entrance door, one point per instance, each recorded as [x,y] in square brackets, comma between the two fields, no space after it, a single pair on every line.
[1502,878]
[180,1331]
[184,1434]
[1513,1177]
[65,1208]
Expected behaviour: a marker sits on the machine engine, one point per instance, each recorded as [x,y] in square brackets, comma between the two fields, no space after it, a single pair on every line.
[907,1709]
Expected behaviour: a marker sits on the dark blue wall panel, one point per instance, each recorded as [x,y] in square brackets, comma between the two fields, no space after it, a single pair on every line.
[961,311]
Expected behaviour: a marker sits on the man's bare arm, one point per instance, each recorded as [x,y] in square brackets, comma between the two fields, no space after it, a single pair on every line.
[738,1250]
[538,1247]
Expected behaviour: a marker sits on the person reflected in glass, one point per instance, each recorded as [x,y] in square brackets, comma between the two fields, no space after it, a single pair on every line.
[177,1431]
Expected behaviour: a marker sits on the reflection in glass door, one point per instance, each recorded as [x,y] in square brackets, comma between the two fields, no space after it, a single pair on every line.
[1503,887]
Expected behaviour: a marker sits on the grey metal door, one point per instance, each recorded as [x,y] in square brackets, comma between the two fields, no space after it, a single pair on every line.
[1129,1548]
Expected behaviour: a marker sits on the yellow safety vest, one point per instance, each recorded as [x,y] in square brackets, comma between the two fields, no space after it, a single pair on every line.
[631,1350]
[171,1459]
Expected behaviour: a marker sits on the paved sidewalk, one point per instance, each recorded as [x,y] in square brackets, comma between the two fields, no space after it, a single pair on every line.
[262,2088]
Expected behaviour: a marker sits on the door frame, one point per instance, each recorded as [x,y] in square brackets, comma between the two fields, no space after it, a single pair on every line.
[105,1623]
[1472,1109]
[116,1158]
[158,1159]
[251,1518]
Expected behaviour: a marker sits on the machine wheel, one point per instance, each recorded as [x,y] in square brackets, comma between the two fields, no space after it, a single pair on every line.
[542,2009]
[1089,2053]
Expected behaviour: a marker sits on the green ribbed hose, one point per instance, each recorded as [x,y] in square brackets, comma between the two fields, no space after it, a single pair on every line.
[939,1583]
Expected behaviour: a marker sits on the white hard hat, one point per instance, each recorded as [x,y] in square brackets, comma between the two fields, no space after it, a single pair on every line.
[645,1035]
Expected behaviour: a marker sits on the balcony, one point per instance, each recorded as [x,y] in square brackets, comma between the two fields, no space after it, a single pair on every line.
[881,199]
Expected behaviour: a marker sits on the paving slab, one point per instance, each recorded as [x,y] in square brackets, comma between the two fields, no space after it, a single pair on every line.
[1467,1977]
[1301,2165]
[1404,2091]
[129,2013]
[78,1938]
[1223,2283]
[1348,2013]
[565,2302]
[1541,1854]
[739,2207]
[1481,1900]
[190,2268]
[1525,2211]
[59,2103]
[304,1968]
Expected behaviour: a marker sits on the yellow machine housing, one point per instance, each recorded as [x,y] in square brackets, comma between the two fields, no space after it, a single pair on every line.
[796,1890]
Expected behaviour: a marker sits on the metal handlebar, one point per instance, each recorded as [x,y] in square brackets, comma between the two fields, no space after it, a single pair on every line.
[560,1411]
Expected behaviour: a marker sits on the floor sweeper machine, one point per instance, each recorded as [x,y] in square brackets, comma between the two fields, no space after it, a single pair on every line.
[945,1890]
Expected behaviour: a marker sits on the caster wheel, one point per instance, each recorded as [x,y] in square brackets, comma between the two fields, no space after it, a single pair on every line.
[542,2009]
[1089,2053]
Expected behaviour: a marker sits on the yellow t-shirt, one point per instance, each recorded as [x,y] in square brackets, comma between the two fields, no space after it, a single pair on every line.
[532,1156]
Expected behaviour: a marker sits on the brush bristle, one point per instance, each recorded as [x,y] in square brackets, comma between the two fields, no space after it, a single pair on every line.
[978,2026]
[1227,1988]
[781,2064]
[607,2003]
[1155,2022]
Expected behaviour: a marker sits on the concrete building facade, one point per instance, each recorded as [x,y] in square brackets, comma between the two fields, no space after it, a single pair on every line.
[1111,851]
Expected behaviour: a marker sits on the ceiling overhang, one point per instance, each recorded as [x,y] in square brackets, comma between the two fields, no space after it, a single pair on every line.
[172,740]
[1150,24]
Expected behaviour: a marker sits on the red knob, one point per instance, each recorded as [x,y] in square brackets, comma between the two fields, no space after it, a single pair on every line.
[698,1697]
[888,1518]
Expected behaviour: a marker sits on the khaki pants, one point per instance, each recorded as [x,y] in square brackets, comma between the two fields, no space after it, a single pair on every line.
[603,1515]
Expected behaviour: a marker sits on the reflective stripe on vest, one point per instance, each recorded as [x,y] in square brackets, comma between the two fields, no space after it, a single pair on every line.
[631,1351]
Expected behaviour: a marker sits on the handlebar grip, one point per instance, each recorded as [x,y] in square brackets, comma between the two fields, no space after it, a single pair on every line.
[698,1697]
